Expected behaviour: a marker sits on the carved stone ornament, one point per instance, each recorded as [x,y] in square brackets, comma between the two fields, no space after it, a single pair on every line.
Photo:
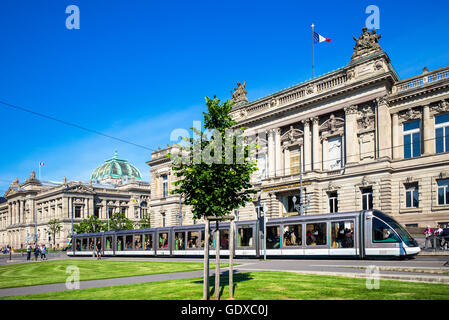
[331,186]
[365,181]
[274,103]
[239,94]
[410,114]
[332,124]
[291,137]
[366,44]
[378,65]
[243,113]
[350,74]
[310,89]
[443,175]
[366,118]
[351,110]
[441,107]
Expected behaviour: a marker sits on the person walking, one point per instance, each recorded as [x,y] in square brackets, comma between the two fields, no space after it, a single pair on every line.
[428,233]
[28,252]
[98,250]
[44,252]
[36,252]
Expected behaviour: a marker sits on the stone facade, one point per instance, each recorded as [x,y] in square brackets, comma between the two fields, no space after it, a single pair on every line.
[29,206]
[363,138]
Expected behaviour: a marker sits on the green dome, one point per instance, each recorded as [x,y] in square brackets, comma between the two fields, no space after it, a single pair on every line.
[116,169]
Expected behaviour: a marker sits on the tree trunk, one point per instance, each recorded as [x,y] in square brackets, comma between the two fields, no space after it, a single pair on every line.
[217,262]
[231,256]
[206,261]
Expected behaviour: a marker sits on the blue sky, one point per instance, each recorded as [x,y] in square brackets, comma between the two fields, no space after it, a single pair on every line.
[139,69]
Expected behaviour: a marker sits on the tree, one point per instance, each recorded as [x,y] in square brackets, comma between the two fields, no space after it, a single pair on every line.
[54,226]
[145,222]
[89,225]
[119,221]
[210,179]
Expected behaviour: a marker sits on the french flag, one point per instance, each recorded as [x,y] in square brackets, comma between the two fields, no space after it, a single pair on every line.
[41,164]
[318,38]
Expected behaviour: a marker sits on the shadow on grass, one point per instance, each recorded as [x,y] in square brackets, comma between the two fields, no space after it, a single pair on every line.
[224,282]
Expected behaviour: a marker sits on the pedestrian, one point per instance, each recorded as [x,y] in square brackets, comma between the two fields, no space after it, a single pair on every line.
[28,252]
[44,252]
[428,233]
[437,234]
[98,250]
[36,252]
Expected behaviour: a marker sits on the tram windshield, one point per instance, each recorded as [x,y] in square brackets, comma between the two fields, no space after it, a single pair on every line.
[406,237]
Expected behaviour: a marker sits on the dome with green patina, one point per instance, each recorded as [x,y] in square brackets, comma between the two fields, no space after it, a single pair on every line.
[116,170]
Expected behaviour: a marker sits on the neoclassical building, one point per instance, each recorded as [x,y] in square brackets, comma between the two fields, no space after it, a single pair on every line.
[115,186]
[361,137]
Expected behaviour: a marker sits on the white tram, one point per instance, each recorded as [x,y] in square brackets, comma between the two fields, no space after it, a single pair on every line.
[362,234]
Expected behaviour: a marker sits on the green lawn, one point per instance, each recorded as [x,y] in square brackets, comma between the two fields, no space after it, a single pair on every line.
[265,285]
[46,272]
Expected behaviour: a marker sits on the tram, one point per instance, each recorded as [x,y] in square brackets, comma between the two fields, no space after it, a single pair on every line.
[362,234]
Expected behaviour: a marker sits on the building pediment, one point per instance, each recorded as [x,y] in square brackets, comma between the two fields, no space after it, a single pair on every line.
[79,189]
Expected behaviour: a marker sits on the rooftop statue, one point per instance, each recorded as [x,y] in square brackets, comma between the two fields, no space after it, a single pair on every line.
[367,43]
[239,94]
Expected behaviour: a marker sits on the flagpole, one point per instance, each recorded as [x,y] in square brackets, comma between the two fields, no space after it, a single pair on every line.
[39,171]
[313,53]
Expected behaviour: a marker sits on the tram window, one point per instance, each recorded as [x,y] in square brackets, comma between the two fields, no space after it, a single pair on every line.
[193,238]
[273,238]
[211,239]
[120,244]
[129,242]
[224,239]
[179,241]
[108,243]
[316,234]
[84,244]
[148,241]
[91,244]
[382,232]
[163,240]
[292,235]
[138,241]
[78,245]
[245,237]
[342,234]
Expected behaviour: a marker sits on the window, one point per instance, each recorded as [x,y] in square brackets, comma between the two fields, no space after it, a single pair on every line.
[245,237]
[193,239]
[367,199]
[163,219]
[333,202]
[110,212]
[443,192]
[165,186]
[123,210]
[294,161]
[411,225]
[292,235]
[163,240]
[138,240]
[84,248]
[411,196]
[342,234]
[129,242]
[78,245]
[224,239]
[211,239]
[290,205]
[442,133]
[77,212]
[334,153]
[412,139]
[148,241]
[108,243]
[382,232]
[120,243]
[179,241]
[316,234]
[273,238]
[97,212]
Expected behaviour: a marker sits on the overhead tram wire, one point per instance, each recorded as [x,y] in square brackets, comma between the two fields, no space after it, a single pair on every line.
[73,125]
[146,148]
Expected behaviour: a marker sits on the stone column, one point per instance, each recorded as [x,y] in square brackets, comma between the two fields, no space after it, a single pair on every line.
[306,161]
[277,152]
[316,165]
[286,161]
[271,155]
[351,135]
[396,137]
[383,129]
[325,153]
[428,131]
